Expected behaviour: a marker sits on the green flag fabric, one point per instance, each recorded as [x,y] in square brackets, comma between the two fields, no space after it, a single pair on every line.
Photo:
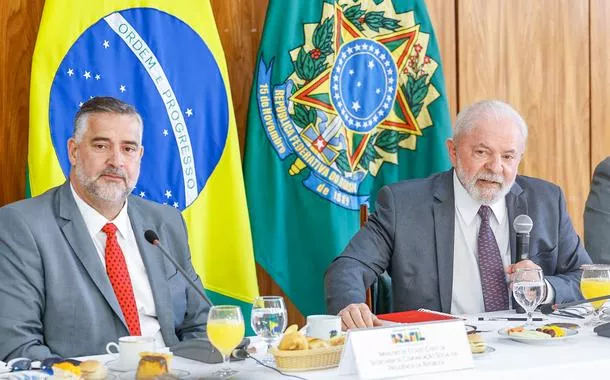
[348,96]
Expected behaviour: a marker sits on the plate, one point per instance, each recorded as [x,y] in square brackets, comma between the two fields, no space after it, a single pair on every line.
[179,373]
[488,350]
[25,375]
[570,333]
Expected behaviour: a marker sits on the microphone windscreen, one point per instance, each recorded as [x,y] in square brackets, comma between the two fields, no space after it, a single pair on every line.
[546,308]
[151,236]
[523,224]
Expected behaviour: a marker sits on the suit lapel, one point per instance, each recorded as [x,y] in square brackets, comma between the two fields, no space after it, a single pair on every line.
[516,204]
[444,222]
[155,269]
[77,235]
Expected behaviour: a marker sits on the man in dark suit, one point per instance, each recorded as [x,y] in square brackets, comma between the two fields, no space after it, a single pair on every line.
[447,240]
[597,215]
[75,269]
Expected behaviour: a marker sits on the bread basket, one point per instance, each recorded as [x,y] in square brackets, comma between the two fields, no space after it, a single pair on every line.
[304,360]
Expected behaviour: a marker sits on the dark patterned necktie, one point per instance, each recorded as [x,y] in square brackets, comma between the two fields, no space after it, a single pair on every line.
[116,267]
[493,280]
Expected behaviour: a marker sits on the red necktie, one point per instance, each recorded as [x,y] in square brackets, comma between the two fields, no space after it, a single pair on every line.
[120,280]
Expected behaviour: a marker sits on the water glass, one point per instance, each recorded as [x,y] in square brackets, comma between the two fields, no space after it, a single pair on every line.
[528,289]
[268,320]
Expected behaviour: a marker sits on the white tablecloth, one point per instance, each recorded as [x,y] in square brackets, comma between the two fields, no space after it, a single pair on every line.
[584,355]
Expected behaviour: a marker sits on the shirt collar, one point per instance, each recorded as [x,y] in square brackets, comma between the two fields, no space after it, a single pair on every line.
[95,221]
[469,208]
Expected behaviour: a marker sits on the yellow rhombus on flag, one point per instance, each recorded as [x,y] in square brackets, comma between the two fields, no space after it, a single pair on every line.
[165,58]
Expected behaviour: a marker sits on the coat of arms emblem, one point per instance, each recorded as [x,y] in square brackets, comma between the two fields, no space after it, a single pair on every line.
[359,92]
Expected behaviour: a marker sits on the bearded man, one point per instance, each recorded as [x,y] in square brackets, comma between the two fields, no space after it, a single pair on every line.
[447,240]
[75,269]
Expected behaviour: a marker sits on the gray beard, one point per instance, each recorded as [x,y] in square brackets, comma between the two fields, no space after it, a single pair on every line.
[105,192]
[483,197]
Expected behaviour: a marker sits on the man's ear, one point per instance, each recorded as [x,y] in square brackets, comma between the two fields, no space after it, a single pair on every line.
[72,147]
[452,149]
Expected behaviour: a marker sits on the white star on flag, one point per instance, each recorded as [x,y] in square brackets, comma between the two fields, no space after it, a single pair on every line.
[371,64]
[87,74]
[351,72]
[80,104]
[175,204]
[98,77]
[168,194]
[356,106]
[319,144]
[357,47]
[122,88]
[106,44]
[165,132]
[189,112]
[142,194]
[70,72]
[378,91]
[358,84]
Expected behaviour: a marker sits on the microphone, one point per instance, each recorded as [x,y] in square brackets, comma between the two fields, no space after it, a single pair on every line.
[548,308]
[152,238]
[523,225]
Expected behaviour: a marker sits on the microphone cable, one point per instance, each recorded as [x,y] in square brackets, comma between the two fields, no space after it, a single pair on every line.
[243,354]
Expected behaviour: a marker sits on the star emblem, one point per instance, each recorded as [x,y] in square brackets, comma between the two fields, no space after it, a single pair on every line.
[70,72]
[168,194]
[106,44]
[98,77]
[189,112]
[165,132]
[356,106]
[87,74]
[122,88]
[142,194]
[175,205]
[398,45]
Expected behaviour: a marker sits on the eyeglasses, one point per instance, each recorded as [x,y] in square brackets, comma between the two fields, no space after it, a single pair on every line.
[25,364]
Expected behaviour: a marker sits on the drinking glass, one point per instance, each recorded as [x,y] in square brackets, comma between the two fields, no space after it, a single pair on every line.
[225,331]
[528,290]
[268,320]
[595,282]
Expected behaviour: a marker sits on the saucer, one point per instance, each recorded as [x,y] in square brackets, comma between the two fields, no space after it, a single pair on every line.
[115,366]
[179,373]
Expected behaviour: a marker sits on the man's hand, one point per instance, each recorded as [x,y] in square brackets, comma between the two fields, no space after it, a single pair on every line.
[358,315]
[512,268]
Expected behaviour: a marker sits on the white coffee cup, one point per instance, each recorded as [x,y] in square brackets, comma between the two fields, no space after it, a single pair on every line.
[323,326]
[129,349]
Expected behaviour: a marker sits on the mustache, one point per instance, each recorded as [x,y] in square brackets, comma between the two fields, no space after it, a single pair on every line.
[490,177]
[113,172]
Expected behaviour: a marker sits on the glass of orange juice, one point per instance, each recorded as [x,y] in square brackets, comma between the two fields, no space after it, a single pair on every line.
[225,331]
[595,282]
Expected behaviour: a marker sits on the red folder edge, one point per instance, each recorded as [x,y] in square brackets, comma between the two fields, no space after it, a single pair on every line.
[414,316]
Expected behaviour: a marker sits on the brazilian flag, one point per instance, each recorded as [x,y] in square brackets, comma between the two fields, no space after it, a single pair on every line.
[348,96]
[165,58]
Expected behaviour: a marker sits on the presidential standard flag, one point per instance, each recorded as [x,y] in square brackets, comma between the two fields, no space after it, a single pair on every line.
[348,96]
[165,58]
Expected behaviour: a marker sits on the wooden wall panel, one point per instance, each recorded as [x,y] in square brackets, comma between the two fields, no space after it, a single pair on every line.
[442,14]
[19,20]
[535,55]
[600,81]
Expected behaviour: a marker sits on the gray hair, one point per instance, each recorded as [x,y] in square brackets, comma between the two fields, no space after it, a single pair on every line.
[102,104]
[487,109]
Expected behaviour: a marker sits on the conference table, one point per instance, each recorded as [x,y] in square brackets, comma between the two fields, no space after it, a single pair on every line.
[586,355]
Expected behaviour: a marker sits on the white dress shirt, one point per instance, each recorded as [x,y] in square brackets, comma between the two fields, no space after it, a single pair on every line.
[94,221]
[467,295]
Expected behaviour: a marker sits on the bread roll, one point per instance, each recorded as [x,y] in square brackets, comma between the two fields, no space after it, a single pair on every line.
[477,344]
[92,370]
[293,341]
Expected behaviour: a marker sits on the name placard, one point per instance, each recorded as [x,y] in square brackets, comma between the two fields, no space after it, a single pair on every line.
[406,349]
